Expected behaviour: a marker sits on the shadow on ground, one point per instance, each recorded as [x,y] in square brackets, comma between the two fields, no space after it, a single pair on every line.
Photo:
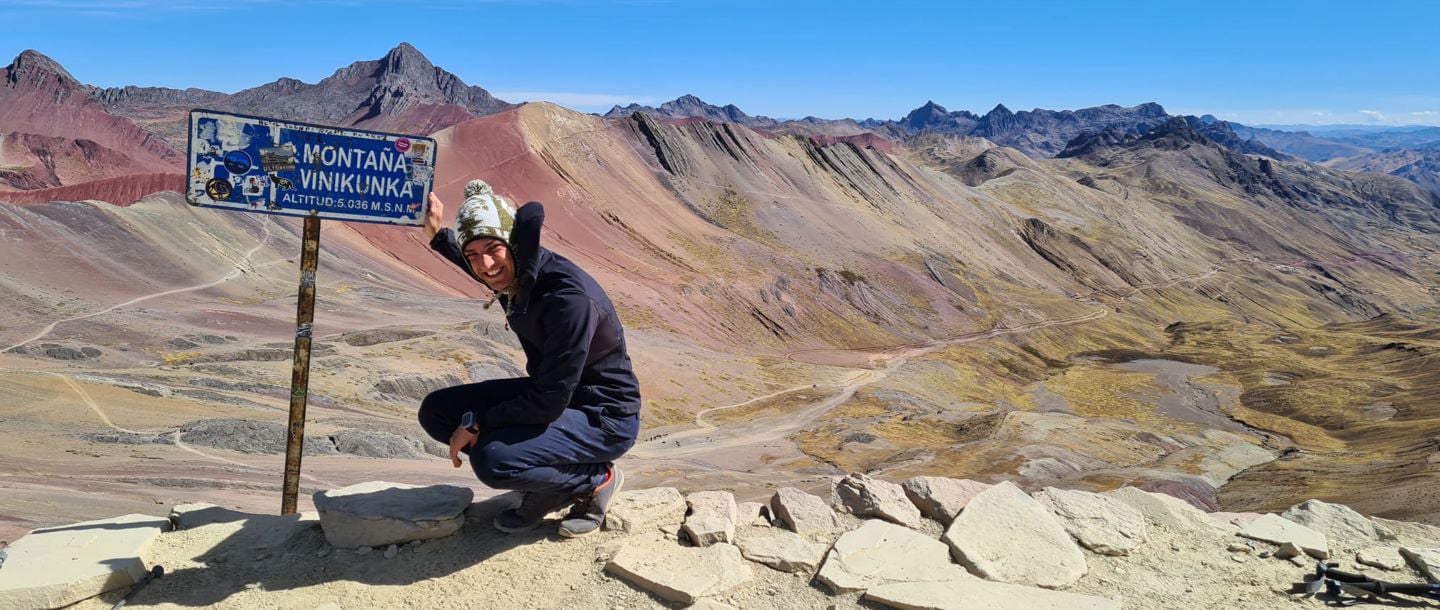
[279,553]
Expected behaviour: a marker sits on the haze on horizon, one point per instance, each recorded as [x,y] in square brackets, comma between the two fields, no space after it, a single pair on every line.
[1256,63]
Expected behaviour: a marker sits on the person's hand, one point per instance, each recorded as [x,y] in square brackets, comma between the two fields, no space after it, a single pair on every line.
[461,439]
[434,217]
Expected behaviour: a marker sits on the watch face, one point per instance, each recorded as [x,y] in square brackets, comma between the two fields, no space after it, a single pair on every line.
[467,421]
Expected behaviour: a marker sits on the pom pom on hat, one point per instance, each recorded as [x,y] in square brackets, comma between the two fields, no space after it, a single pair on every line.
[483,214]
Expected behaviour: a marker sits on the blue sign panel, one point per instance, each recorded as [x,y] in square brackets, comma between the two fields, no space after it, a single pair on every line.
[281,167]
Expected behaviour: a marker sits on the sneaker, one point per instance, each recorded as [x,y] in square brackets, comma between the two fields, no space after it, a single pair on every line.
[588,513]
[531,511]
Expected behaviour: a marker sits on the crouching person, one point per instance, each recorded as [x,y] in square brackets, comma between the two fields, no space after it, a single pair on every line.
[555,434]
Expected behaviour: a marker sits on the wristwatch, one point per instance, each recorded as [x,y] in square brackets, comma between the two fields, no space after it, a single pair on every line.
[467,421]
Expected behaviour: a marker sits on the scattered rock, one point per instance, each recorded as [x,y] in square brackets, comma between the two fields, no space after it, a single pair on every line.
[861,495]
[1238,547]
[371,443]
[1339,523]
[1426,560]
[58,566]
[364,550]
[941,498]
[676,573]
[1100,523]
[967,593]
[378,513]
[391,551]
[247,436]
[635,511]
[880,553]
[1279,530]
[711,519]
[411,389]
[783,550]
[375,336]
[1385,558]
[1165,511]
[803,513]
[1001,525]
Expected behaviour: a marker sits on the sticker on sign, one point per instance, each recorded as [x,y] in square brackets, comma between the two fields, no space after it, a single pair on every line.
[254,164]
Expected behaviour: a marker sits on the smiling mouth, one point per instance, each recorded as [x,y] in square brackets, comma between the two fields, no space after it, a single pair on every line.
[492,275]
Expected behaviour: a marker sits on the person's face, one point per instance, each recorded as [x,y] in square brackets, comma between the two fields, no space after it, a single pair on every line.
[490,259]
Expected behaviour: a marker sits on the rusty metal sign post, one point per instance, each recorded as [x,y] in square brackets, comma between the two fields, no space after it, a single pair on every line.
[300,373]
[269,166]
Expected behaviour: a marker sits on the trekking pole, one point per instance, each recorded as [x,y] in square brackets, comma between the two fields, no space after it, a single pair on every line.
[155,572]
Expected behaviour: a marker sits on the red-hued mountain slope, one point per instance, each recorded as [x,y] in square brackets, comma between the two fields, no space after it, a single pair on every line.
[54,133]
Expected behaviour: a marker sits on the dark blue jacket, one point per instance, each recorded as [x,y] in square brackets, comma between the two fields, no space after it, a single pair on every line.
[574,344]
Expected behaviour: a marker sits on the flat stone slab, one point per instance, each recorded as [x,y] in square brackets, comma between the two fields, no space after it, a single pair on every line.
[1233,520]
[58,566]
[645,509]
[1340,524]
[677,573]
[971,593]
[1168,512]
[803,513]
[1385,558]
[1005,535]
[782,550]
[712,518]
[1426,560]
[1279,530]
[863,496]
[941,498]
[1100,523]
[880,553]
[378,513]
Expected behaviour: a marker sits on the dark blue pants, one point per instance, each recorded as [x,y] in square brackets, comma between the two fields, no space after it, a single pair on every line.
[569,455]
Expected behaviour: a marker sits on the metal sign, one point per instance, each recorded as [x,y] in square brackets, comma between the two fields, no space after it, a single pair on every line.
[270,166]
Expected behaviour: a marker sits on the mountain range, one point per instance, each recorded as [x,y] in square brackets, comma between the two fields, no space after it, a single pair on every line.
[1092,298]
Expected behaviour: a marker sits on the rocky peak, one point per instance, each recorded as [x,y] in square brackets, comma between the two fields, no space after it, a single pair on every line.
[998,121]
[688,105]
[34,67]
[405,66]
[925,115]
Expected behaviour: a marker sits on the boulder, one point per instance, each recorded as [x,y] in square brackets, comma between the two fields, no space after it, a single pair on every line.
[860,495]
[378,513]
[1339,523]
[803,513]
[941,498]
[1425,560]
[676,573]
[752,513]
[636,511]
[881,553]
[1383,557]
[1100,523]
[1008,536]
[711,518]
[968,593]
[1279,530]
[58,566]
[783,550]
[1167,512]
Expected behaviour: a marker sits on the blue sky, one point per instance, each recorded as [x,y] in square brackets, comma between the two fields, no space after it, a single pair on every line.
[1255,62]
